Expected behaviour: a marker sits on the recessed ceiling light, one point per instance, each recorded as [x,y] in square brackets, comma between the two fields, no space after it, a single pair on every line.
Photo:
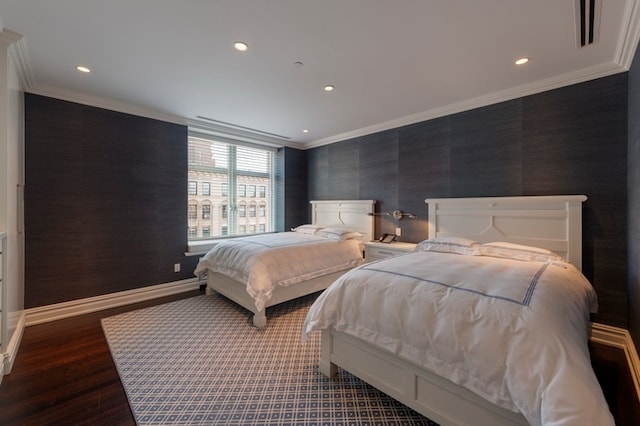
[329,88]
[241,46]
[305,130]
[522,61]
[83,68]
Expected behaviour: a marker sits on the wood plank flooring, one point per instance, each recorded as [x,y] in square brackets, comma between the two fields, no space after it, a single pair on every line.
[64,375]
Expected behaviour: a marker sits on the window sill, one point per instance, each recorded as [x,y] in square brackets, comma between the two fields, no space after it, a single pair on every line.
[199,248]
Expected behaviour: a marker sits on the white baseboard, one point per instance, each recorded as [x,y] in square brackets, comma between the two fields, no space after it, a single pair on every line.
[600,333]
[72,308]
[9,355]
[621,339]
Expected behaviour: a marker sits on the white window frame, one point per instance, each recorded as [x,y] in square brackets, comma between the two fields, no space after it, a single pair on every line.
[221,227]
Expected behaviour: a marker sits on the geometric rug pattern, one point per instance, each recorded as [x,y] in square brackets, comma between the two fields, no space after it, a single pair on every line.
[201,361]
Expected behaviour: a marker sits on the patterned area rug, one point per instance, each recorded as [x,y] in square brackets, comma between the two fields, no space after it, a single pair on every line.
[200,361]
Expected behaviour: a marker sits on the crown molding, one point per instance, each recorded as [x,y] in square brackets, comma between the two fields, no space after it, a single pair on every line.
[628,42]
[20,57]
[623,58]
[199,125]
[8,37]
[625,52]
[555,82]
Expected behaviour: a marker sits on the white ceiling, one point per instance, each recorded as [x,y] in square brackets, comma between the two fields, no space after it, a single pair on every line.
[393,62]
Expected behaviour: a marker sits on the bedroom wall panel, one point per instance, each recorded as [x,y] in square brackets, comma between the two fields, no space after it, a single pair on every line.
[105,201]
[377,175]
[318,165]
[567,141]
[296,206]
[574,145]
[633,161]
[423,166]
[486,149]
[344,179]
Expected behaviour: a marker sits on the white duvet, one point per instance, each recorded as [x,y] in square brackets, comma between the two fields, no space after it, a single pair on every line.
[265,262]
[513,332]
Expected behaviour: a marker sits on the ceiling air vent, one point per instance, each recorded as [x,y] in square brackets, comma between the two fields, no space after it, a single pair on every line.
[587,21]
[242,128]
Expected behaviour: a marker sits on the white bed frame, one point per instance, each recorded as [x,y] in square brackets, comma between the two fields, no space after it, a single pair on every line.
[552,222]
[352,214]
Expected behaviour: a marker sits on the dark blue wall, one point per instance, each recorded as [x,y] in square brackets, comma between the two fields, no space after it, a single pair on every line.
[571,140]
[105,201]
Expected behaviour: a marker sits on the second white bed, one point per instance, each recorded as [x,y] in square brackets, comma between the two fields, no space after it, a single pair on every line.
[263,270]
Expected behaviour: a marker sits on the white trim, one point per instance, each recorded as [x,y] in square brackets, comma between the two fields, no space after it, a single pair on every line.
[72,308]
[628,40]
[141,111]
[621,339]
[623,58]
[564,80]
[9,356]
[20,56]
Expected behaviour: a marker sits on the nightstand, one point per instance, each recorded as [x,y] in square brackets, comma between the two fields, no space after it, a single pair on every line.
[374,250]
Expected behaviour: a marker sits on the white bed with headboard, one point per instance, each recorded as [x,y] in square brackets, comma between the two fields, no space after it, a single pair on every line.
[551,222]
[343,214]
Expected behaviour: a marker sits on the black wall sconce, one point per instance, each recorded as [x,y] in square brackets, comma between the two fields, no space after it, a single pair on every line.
[397,214]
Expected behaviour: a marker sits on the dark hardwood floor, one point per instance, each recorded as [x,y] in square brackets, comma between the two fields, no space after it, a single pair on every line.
[64,375]
[611,368]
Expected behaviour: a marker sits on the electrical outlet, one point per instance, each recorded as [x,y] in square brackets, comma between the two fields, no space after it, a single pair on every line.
[398,231]
[176,267]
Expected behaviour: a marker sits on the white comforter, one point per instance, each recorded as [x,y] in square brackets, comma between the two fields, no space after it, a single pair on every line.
[265,262]
[513,332]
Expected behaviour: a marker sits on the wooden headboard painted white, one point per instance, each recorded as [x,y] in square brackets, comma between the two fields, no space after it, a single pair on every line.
[551,222]
[352,214]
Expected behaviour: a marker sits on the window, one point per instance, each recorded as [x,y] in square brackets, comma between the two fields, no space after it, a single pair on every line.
[193,232]
[229,168]
[193,211]
[193,187]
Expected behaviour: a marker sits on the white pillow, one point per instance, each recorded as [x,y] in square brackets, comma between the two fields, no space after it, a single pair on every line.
[519,252]
[334,233]
[455,240]
[450,245]
[307,229]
